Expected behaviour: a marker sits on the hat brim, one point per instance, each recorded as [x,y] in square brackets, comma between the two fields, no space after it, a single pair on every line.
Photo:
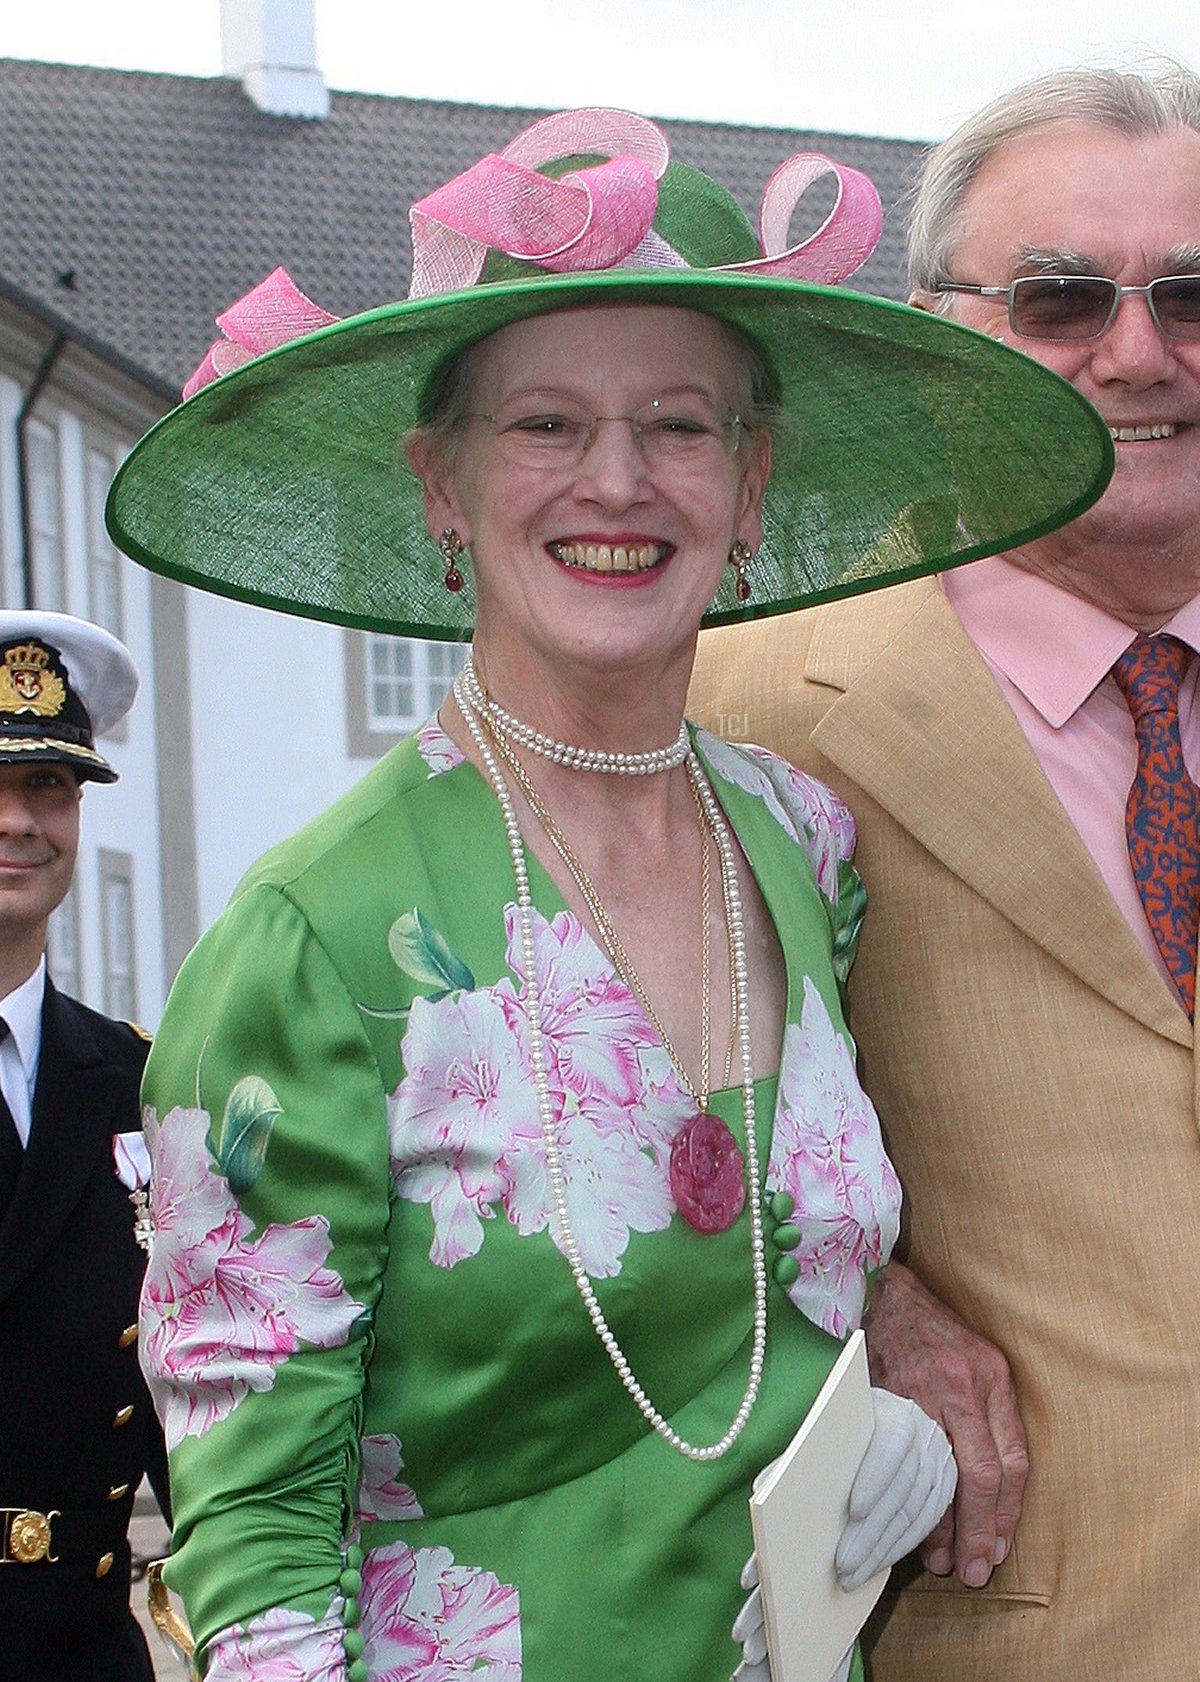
[86,763]
[913,445]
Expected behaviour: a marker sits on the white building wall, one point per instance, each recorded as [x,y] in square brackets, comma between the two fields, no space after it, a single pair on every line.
[121,817]
[268,734]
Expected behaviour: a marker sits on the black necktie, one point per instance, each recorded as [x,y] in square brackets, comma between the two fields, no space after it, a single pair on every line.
[12,1152]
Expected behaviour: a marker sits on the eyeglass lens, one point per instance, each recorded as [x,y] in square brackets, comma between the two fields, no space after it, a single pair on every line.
[680,426]
[1081,306]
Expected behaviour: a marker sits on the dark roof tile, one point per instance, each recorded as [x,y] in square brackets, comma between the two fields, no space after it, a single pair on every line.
[165,197]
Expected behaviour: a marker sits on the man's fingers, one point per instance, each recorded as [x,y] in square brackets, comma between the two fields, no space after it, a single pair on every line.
[1014,1460]
[937,1550]
[980,1476]
[920,1348]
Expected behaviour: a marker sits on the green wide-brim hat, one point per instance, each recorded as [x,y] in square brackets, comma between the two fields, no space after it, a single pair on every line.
[909,444]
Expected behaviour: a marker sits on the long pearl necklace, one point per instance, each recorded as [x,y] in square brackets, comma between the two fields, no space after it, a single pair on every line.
[614,946]
[545,1101]
[562,753]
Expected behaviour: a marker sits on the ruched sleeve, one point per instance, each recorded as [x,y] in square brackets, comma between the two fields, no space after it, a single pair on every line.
[265,1112]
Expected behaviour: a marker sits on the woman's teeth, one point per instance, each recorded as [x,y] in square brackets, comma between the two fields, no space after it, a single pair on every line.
[609,557]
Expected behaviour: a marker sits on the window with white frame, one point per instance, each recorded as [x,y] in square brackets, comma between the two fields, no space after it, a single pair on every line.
[104,578]
[62,946]
[117,934]
[45,516]
[406,680]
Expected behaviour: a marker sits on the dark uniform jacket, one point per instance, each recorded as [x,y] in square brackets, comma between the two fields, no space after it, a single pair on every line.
[77,1430]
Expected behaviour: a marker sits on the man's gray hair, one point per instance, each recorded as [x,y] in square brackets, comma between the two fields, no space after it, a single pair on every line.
[1145,102]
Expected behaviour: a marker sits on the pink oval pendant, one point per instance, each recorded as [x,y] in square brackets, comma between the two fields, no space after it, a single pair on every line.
[707,1174]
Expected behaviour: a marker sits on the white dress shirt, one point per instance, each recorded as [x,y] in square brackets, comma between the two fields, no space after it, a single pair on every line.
[21,1048]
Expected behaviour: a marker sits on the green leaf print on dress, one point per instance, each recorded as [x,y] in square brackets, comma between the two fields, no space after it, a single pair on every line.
[421,952]
[239,1144]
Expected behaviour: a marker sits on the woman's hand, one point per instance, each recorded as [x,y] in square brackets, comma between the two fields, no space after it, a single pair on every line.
[750,1631]
[904,1485]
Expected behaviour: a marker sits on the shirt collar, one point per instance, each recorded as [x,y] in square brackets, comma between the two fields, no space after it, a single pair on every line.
[22,1010]
[1051,645]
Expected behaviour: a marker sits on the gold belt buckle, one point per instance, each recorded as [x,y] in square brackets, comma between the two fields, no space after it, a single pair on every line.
[25,1538]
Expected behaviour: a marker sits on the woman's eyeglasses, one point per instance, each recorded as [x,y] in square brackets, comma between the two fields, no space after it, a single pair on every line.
[687,428]
[1072,306]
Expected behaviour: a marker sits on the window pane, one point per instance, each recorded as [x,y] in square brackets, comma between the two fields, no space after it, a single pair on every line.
[45,520]
[444,662]
[62,945]
[103,563]
[390,687]
[407,680]
[117,908]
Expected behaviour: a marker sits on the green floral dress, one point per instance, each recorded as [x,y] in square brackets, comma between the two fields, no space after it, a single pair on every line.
[398,1448]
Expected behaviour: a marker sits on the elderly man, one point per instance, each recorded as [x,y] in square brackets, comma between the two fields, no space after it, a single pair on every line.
[76,1427]
[1017,741]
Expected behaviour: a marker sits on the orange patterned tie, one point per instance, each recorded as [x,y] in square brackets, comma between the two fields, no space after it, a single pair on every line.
[1162,814]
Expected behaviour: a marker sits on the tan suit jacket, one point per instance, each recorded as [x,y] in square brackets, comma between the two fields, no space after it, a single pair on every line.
[1036,1083]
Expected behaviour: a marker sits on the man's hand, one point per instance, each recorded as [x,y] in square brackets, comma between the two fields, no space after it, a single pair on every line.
[920,1348]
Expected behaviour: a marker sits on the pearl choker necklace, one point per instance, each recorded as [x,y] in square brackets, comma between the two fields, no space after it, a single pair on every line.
[476,721]
[562,753]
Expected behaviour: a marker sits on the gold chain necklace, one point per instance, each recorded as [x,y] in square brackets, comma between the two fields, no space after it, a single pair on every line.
[612,942]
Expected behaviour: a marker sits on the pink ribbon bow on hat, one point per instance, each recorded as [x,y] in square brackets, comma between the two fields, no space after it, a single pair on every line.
[601,217]
[271,314]
[596,218]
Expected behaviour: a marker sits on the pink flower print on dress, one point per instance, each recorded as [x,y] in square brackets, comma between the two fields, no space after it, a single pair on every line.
[465,1091]
[437,750]
[614,1131]
[426,1619]
[594,1028]
[223,1310]
[811,814]
[381,1495]
[280,1646]
[464,1125]
[827,1152]
[613,1188]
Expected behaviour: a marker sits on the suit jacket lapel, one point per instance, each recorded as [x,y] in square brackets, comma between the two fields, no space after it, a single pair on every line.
[924,730]
[73,1110]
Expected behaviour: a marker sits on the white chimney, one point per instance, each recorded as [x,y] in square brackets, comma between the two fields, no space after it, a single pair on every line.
[270,45]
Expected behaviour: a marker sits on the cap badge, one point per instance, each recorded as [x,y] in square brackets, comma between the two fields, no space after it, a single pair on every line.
[28,682]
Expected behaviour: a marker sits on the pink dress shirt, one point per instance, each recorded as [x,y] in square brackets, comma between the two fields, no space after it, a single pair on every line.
[1051,654]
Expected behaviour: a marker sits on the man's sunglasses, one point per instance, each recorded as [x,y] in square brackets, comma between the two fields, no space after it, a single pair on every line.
[1073,306]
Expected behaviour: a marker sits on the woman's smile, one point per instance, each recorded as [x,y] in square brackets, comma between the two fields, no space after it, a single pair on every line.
[610,556]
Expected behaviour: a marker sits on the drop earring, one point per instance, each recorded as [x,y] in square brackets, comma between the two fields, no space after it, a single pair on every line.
[740,556]
[451,546]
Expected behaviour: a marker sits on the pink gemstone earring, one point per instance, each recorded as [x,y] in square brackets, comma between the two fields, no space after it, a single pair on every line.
[740,556]
[451,546]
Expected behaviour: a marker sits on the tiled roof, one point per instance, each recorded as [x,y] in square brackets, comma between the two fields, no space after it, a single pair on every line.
[135,206]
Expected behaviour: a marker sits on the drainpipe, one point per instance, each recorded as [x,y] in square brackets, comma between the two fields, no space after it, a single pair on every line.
[44,369]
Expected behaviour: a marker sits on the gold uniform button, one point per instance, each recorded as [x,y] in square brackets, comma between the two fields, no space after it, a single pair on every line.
[128,1336]
[117,1490]
[123,1416]
[104,1565]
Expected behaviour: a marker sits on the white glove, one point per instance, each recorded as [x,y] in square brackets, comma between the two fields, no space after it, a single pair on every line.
[904,1485]
[750,1630]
